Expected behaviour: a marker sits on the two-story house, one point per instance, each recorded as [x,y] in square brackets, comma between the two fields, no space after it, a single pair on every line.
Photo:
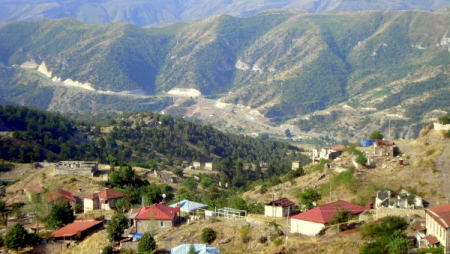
[437,221]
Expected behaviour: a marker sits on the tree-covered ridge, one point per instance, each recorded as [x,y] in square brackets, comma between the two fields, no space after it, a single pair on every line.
[141,138]
[284,63]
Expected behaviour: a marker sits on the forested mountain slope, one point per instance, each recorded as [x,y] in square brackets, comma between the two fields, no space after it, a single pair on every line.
[164,11]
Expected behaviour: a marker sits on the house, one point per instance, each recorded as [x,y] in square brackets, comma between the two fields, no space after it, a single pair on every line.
[163,216]
[196,164]
[104,200]
[421,233]
[385,148]
[59,195]
[166,177]
[279,208]
[199,248]
[403,200]
[30,190]
[315,220]
[327,153]
[84,168]
[437,222]
[209,166]
[77,229]
[296,164]
[188,206]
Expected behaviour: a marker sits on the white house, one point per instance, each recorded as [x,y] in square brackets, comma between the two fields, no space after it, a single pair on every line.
[104,200]
[279,208]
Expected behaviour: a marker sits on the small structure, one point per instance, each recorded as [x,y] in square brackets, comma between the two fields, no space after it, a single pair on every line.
[296,164]
[188,206]
[83,168]
[77,229]
[59,195]
[166,177]
[367,142]
[196,164]
[315,220]
[198,247]
[327,153]
[437,223]
[163,216]
[404,200]
[279,208]
[209,166]
[104,200]
[229,213]
[385,148]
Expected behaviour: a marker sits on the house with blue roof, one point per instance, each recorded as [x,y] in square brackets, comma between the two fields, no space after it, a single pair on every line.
[188,206]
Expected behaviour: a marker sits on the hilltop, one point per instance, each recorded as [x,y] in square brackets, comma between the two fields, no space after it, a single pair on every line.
[291,67]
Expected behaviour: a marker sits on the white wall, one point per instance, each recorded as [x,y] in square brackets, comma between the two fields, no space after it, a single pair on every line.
[306,227]
[273,211]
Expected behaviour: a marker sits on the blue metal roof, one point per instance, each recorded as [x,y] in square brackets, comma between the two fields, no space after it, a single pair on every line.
[189,206]
[199,248]
[137,236]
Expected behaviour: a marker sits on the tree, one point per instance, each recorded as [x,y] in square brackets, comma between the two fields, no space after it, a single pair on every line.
[118,223]
[287,132]
[16,238]
[444,119]
[376,135]
[361,159]
[308,197]
[60,215]
[208,235]
[107,250]
[192,250]
[147,243]
[341,216]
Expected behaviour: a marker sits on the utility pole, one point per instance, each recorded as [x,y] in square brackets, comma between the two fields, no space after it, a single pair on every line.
[389,129]
[287,227]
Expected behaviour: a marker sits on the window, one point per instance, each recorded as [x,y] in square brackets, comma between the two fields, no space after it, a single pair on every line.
[162,224]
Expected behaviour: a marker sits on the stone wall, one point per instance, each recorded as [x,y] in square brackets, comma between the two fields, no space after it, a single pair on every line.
[384,212]
[84,168]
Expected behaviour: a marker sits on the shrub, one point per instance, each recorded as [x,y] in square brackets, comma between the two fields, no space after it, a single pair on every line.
[262,239]
[376,135]
[361,159]
[208,235]
[107,250]
[147,243]
[278,242]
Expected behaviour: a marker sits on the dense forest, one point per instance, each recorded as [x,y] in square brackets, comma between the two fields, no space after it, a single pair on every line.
[146,139]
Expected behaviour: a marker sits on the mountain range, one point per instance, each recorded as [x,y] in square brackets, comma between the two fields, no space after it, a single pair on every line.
[145,13]
[282,63]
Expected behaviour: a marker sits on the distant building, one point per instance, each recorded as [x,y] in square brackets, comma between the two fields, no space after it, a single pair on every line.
[104,200]
[35,189]
[188,206]
[315,220]
[385,148]
[84,168]
[166,177]
[209,166]
[196,164]
[403,200]
[367,142]
[59,195]
[327,153]
[279,208]
[77,229]
[437,227]
[296,164]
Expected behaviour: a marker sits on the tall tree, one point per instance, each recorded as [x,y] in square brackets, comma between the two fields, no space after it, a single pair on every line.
[60,215]
[118,223]
[147,243]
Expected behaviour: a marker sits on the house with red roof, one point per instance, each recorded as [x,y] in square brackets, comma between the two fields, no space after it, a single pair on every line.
[78,229]
[34,189]
[59,195]
[437,227]
[161,216]
[104,200]
[315,220]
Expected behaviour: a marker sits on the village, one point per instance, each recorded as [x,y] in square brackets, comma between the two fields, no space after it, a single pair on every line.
[94,207]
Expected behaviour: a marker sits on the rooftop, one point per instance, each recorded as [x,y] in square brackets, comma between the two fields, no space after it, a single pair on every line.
[283,202]
[58,194]
[323,214]
[441,214]
[75,228]
[106,194]
[156,212]
[35,188]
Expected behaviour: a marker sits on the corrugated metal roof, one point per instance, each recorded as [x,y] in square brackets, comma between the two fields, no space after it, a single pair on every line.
[283,202]
[75,228]
[323,214]
[199,248]
[189,206]
[441,214]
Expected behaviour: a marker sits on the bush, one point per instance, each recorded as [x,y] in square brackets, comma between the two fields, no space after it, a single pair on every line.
[376,135]
[107,250]
[262,239]
[147,243]
[263,189]
[278,242]
[245,231]
[361,159]
[208,235]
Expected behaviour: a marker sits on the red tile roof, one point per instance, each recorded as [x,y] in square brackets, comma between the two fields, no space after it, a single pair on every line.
[75,228]
[337,147]
[323,214]
[35,188]
[441,214]
[379,142]
[106,194]
[156,212]
[283,202]
[57,194]
[431,239]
